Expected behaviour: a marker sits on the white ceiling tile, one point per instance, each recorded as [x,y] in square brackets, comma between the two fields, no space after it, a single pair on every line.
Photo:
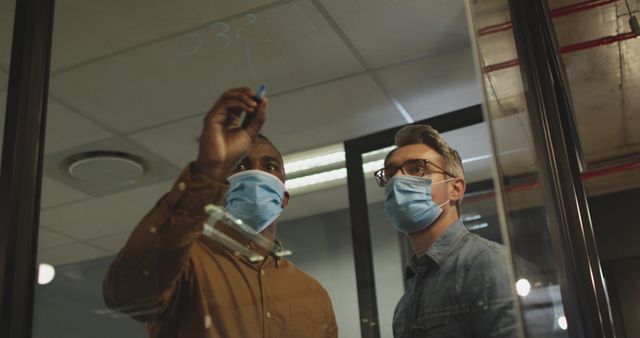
[386,32]
[175,142]
[55,193]
[84,30]
[66,129]
[434,85]
[105,215]
[71,253]
[183,76]
[329,113]
[7,11]
[48,239]
[112,244]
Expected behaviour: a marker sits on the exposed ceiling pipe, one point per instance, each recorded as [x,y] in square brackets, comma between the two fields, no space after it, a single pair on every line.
[536,184]
[607,40]
[554,13]
[558,12]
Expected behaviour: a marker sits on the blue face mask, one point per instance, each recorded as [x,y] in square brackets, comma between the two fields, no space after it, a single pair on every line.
[409,205]
[255,197]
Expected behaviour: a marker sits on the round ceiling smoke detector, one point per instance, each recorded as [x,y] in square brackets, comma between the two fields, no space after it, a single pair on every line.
[105,167]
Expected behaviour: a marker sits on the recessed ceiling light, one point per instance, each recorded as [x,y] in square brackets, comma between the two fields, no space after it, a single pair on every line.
[105,167]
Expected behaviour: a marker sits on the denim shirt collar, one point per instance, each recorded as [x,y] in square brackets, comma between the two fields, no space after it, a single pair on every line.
[440,250]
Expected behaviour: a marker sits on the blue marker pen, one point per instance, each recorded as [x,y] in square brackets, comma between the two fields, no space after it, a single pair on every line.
[262,90]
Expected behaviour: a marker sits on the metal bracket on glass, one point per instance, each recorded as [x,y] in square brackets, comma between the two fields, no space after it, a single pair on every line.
[220,214]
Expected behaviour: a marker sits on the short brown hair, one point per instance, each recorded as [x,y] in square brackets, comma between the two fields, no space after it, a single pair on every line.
[425,134]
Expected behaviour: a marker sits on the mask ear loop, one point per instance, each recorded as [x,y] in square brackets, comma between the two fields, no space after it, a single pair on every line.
[443,181]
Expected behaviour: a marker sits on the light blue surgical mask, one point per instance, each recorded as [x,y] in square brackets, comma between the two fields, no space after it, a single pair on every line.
[255,197]
[409,205]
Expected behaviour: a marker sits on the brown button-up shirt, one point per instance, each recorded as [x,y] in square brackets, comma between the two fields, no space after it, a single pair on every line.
[185,285]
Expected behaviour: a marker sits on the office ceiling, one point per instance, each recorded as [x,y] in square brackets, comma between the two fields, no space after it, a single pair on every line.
[138,77]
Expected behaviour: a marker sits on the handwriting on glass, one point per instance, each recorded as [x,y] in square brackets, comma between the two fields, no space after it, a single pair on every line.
[190,44]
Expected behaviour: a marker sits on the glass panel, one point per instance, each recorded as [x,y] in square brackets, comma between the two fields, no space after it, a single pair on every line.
[7,9]
[602,61]
[522,209]
[129,89]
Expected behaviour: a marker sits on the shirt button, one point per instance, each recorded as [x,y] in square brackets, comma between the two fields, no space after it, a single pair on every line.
[182,186]
[237,253]
[262,272]
[269,315]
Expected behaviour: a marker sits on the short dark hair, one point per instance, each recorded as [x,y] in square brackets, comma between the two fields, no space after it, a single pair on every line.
[425,134]
[261,136]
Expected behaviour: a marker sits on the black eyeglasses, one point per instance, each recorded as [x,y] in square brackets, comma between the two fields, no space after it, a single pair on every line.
[416,167]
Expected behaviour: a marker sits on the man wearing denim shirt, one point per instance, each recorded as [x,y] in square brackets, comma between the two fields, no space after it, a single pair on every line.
[458,282]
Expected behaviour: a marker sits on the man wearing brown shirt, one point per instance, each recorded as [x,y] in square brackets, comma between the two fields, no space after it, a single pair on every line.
[182,283]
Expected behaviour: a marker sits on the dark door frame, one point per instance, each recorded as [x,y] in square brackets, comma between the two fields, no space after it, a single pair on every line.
[21,172]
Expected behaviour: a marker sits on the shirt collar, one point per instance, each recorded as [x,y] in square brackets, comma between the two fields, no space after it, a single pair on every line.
[440,250]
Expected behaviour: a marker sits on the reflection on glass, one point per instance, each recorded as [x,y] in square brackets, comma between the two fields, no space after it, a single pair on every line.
[525,221]
[137,80]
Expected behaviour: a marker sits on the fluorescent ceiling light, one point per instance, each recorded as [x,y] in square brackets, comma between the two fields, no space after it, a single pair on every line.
[334,155]
[314,162]
[323,177]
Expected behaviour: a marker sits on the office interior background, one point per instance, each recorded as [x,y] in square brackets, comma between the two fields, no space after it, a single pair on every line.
[130,83]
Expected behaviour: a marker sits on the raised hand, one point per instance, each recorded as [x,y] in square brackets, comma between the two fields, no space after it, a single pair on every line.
[223,143]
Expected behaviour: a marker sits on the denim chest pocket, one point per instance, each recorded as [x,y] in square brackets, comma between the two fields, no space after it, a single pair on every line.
[435,325]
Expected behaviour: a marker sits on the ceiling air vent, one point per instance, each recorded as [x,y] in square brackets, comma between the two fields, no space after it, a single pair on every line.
[105,167]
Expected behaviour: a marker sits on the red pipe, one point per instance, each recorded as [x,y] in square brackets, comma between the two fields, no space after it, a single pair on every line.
[502,65]
[579,7]
[535,185]
[554,13]
[607,40]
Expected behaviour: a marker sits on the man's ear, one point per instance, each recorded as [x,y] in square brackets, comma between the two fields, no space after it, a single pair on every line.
[285,199]
[457,190]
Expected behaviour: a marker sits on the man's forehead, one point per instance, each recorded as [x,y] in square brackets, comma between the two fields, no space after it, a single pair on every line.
[262,148]
[413,151]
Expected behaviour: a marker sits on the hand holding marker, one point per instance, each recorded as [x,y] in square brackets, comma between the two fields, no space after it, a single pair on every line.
[262,90]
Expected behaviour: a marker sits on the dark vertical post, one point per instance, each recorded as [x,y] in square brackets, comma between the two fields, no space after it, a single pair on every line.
[21,171]
[550,114]
[361,236]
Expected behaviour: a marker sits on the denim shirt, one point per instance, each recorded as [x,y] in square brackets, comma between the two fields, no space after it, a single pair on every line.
[459,288]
